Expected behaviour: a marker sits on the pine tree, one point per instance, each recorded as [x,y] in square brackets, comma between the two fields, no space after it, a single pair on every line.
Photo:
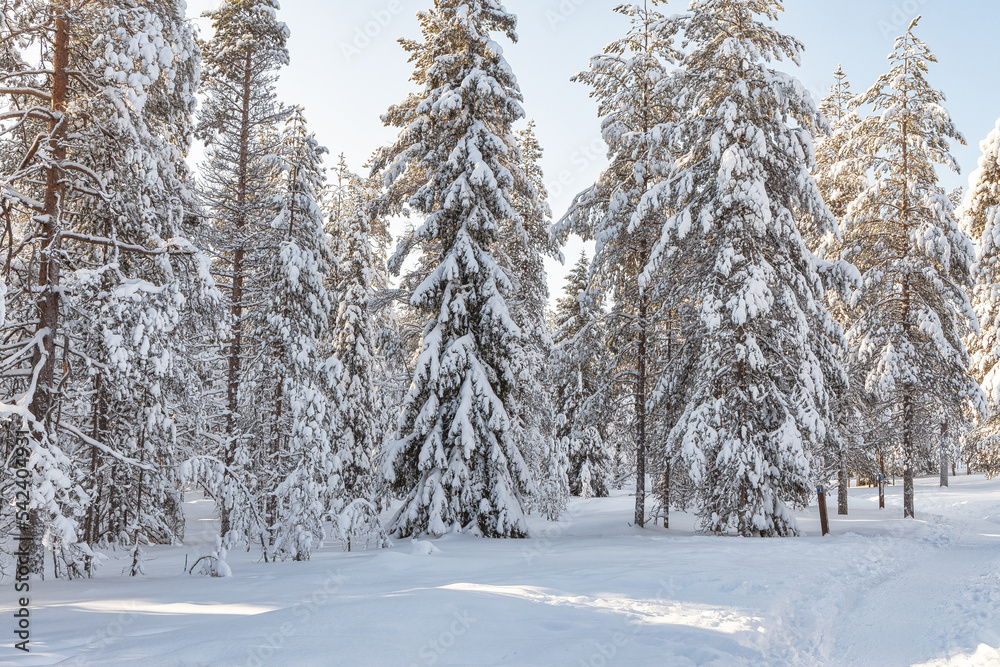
[902,235]
[456,163]
[984,188]
[633,106]
[761,340]
[579,390]
[97,187]
[239,123]
[837,182]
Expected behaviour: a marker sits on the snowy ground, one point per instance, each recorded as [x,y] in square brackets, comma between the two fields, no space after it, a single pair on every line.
[589,590]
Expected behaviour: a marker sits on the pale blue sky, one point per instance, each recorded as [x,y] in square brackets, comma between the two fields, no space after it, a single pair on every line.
[347,69]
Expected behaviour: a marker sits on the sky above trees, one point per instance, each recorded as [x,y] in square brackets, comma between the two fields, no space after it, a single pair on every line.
[347,69]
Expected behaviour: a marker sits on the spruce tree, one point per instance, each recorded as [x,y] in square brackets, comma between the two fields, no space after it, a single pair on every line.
[354,343]
[837,181]
[456,163]
[579,389]
[908,318]
[759,345]
[295,396]
[524,244]
[979,217]
[840,183]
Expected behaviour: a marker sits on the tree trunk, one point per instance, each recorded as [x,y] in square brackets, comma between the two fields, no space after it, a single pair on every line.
[236,297]
[908,415]
[640,415]
[43,402]
[843,481]
[665,492]
[944,453]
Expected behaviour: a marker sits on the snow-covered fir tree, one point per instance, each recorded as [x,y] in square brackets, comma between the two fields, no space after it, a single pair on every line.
[524,243]
[456,163]
[357,278]
[758,402]
[633,105]
[840,183]
[240,122]
[980,217]
[983,194]
[837,182]
[580,392]
[292,411]
[908,318]
[101,277]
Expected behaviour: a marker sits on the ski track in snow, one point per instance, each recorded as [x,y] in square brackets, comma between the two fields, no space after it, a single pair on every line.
[588,590]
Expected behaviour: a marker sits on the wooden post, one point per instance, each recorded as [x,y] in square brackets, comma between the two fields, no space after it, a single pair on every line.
[881,492]
[824,519]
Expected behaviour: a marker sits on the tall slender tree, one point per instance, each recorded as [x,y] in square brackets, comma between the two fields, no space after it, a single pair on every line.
[294,448]
[840,182]
[239,123]
[902,235]
[579,389]
[357,278]
[456,163]
[524,244]
[626,83]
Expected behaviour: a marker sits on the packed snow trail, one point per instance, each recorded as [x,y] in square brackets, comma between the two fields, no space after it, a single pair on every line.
[588,590]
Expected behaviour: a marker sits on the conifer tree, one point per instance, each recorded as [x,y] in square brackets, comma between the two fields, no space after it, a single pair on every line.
[579,391]
[840,184]
[837,182]
[979,217]
[95,133]
[908,318]
[524,244]
[626,81]
[357,278]
[295,396]
[760,343]
[456,163]
[984,188]
[240,122]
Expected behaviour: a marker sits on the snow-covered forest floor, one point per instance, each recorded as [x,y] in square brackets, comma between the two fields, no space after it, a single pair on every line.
[588,590]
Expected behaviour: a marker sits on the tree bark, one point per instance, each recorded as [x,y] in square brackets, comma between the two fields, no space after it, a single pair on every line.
[43,402]
[236,296]
[908,414]
[640,415]
[843,481]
